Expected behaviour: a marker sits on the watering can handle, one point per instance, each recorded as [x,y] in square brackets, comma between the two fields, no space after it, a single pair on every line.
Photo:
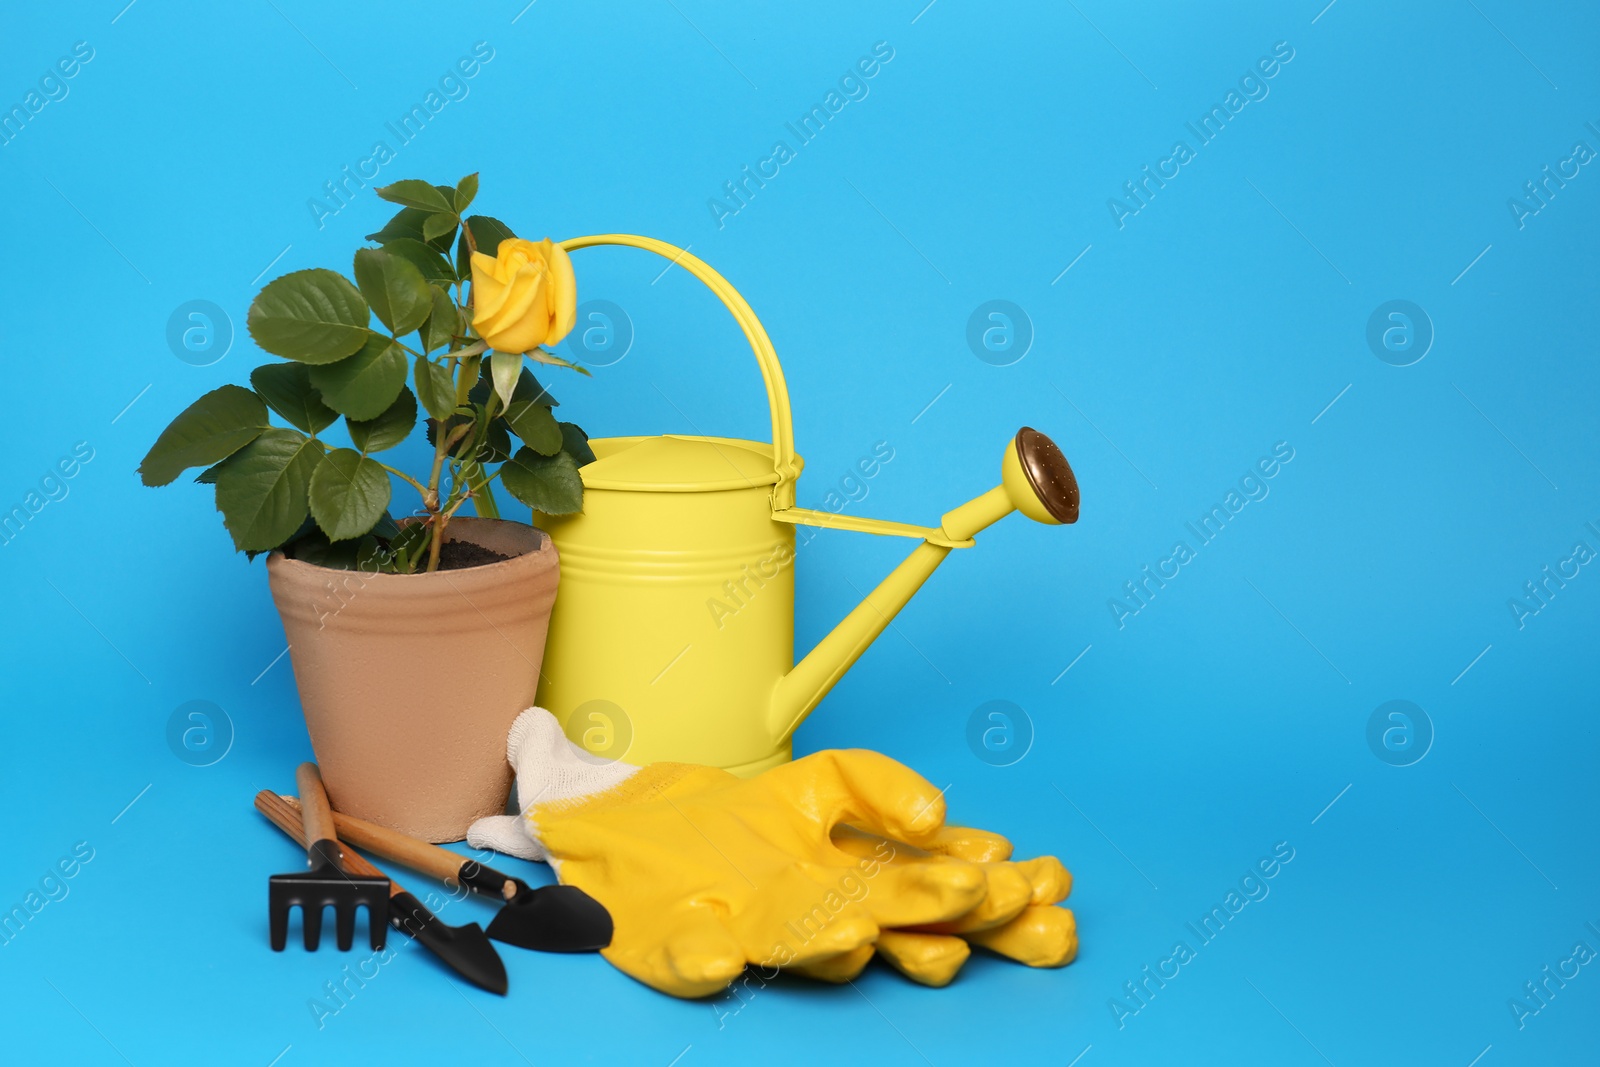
[788,467]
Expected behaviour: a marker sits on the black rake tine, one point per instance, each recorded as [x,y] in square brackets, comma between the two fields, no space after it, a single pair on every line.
[279,918]
[345,924]
[311,923]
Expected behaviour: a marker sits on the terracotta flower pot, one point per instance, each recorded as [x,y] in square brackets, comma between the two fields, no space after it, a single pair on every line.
[409,682]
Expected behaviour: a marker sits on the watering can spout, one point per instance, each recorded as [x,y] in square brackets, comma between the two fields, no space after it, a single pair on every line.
[1035,479]
[661,645]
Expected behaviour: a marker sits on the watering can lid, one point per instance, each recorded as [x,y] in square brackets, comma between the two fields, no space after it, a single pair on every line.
[678,464]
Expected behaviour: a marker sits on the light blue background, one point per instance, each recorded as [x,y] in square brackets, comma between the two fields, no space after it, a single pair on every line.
[1222,318]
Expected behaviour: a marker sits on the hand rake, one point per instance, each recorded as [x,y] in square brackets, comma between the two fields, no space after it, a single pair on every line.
[326,883]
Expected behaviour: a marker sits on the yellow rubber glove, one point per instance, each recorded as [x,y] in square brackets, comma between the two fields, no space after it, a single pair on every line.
[806,867]
[704,872]
[1014,919]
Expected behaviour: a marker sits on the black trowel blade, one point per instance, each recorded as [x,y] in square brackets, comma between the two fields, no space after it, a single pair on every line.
[465,949]
[553,918]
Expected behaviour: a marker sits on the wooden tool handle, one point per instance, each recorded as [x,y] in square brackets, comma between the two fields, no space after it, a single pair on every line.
[285,815]
[315,814]
[431,860]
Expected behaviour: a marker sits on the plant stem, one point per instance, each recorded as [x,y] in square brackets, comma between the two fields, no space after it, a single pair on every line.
[430,497]
[473,492]
[403,476]
[467,359]
[483,501]
[458,458]
[436,543]
[466,373]
[458,434]
[488,417]
[472,250]
[442,444]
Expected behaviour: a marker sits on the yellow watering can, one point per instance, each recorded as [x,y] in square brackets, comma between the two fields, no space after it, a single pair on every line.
[673,631]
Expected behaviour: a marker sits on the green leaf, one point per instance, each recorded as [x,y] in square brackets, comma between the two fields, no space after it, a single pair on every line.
[395,288]
[312,316]
[529,414]
[542,355]
[408,546]
[435,389]
[462,415]
[367,554]
[307,529]
[388,429]
[536,426]
[209,475]
[496,447]
[547,484]
[444,322]
[466,191]
[434,267]
[478,438]
[413,192]
[504,369]
[349,493]
[261,489]
[529,389]
[575,443]
[487,233]
[206,432]
[441,225]
[407,223]
[363,386]
[466,376]
[387,528]
[287,389]
[372,557]
[313,547]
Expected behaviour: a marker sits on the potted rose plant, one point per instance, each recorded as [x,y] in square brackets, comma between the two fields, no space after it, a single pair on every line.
[417,639]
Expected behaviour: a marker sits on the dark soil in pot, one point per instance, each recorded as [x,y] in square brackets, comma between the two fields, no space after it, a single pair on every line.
[455,555]
[458,555]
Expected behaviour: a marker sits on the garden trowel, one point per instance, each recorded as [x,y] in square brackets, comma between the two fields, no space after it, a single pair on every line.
[552,918]
[465,949]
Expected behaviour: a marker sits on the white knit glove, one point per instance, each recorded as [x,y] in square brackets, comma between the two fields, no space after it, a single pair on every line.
[548,767]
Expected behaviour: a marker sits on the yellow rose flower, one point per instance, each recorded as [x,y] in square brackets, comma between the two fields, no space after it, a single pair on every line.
[524,295]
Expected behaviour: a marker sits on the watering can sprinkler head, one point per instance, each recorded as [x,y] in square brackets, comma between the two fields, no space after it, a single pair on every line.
[1035,479]
[1038,480]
